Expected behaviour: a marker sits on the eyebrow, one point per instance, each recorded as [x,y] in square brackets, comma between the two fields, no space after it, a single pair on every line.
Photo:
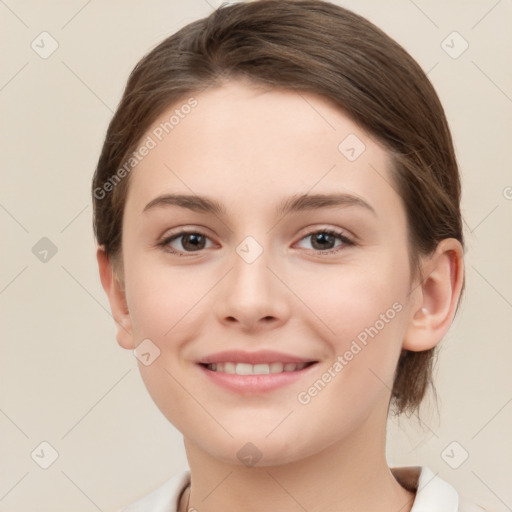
[295,203]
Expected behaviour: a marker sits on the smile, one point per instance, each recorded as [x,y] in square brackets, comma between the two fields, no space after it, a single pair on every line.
[256,369]
[255,379]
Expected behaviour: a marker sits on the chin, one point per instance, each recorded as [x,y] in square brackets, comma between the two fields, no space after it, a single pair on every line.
[253,449]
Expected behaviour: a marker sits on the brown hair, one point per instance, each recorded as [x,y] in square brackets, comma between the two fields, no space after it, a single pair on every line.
[311,46]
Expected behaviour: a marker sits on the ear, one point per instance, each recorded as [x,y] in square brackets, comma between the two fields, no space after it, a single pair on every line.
[117,298]
[436,296]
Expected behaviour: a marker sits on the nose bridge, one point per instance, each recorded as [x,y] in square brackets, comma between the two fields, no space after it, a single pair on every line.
[252,292]
[250,280]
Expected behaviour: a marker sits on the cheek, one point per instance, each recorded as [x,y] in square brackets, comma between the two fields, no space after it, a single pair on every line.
[366,323]
[162,301]
[164,307]
[355,300]
[361,315]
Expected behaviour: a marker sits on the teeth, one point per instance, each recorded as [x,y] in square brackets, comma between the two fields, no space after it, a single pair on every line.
[255,369]
[276,367]
[228,367]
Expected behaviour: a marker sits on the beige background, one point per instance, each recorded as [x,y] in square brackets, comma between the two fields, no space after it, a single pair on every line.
[63,378]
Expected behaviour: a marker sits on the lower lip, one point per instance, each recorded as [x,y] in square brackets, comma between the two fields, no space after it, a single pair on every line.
[255,384]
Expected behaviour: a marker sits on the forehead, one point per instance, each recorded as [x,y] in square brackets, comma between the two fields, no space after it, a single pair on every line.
[260,144]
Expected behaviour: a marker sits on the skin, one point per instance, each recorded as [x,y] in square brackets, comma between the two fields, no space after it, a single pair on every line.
[249,147]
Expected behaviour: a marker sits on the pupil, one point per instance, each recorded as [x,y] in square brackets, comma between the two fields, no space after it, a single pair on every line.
[193,238]
[325,237]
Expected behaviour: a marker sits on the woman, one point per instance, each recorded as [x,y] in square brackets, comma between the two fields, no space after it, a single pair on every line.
[279,235]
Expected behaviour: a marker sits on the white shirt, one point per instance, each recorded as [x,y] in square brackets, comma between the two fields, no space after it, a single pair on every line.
[432,493]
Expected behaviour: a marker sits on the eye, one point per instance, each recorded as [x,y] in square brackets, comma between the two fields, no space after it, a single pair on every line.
[195,241]
[323,239]
[191,241]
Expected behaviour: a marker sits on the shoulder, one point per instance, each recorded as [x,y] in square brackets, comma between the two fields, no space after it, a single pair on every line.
[163,498]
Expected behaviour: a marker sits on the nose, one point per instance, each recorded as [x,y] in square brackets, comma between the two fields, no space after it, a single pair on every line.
[252,295]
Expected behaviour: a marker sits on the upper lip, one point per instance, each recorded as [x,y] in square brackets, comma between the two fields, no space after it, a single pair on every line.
[262,356]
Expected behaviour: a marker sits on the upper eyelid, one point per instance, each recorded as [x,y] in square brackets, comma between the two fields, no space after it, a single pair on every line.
[306,231]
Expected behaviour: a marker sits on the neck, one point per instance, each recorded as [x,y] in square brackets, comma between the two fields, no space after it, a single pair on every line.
[351,475]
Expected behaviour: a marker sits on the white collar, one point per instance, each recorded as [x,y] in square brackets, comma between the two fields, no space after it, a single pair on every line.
[432,493]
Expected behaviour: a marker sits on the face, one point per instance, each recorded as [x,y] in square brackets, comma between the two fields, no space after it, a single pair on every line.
[322,280]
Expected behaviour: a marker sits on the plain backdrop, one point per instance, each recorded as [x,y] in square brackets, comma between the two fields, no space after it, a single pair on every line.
[66,383]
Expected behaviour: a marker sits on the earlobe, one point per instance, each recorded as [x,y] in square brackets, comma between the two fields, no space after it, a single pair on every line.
[438,293]
[117,298]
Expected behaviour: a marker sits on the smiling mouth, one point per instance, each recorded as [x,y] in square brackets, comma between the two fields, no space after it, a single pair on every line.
[255,369]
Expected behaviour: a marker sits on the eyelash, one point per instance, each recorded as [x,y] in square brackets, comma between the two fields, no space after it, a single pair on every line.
[339,234]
